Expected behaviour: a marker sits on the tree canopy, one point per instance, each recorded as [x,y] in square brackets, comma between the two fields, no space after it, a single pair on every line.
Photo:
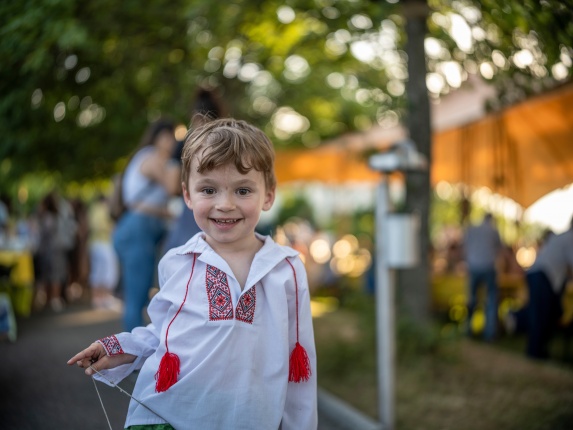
[80,80]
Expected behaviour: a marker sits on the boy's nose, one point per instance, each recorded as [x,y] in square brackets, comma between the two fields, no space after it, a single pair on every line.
[225,202]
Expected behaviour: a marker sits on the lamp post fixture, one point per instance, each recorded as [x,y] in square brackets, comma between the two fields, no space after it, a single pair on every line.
[396,247]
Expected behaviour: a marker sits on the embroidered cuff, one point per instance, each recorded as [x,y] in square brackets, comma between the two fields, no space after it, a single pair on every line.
[111,345]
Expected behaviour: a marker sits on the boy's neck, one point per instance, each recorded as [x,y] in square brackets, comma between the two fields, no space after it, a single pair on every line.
[239,256]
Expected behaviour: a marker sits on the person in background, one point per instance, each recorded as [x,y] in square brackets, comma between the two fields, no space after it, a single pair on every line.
[79,254]
[104,266]
[231,343]
[516,321]
[51,256]
[546,281]
[207,107]
[150,178]
[482,247]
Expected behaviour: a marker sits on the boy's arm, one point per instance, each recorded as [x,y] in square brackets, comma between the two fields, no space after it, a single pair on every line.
[128,351]
[300,411]
[117,356]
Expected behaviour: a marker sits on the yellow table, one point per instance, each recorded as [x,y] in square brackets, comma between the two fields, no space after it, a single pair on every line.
[20,285]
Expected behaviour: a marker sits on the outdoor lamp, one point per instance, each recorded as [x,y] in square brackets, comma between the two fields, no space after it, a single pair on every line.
[399,231]
[397,246]
[401,156]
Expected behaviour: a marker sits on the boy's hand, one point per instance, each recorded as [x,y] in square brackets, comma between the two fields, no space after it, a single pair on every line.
[95,356]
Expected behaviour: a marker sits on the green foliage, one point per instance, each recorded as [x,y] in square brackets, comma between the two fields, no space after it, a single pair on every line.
[543,27]
[80,80]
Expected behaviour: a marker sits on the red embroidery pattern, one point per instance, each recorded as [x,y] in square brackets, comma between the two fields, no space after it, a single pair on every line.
[220,303]
[111,345]
[246,308]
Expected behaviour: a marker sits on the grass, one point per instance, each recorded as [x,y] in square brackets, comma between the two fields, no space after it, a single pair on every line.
[443,380]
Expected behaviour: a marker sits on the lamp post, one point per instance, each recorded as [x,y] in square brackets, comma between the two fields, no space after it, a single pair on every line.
[396,247]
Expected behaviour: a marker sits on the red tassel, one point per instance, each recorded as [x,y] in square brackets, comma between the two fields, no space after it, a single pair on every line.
[299,364]
[167,373]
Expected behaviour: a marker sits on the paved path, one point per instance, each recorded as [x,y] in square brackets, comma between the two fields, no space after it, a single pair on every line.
[39,391]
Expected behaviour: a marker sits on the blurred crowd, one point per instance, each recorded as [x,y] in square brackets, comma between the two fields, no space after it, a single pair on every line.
[514,288]
[64,238]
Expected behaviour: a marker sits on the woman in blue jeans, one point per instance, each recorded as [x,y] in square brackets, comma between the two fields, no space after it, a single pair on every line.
[150,178]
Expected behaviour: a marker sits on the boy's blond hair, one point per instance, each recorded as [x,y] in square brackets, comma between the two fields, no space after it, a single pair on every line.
[227,140]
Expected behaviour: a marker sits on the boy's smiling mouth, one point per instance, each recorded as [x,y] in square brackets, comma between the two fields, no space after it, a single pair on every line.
[224,221]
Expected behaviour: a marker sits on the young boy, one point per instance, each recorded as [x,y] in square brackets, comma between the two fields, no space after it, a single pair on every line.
[233,306]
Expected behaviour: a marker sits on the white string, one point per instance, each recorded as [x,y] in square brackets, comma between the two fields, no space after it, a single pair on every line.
[102,406]
[124,392]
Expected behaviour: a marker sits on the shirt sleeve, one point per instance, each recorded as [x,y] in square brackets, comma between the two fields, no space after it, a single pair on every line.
[300,412]
[141,342]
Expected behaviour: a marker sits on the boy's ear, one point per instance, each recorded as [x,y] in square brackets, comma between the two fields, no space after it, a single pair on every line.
[269,199]
[186,196]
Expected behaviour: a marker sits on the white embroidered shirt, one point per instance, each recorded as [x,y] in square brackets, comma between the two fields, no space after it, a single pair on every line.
[233,345]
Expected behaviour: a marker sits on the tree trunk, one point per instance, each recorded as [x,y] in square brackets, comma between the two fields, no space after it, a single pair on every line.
[413,285]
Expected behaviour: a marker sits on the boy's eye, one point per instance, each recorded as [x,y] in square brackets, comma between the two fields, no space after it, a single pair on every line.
[243,191]
[208,191]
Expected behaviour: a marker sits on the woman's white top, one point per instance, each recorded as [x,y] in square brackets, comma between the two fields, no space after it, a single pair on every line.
[234,345]
[140,189]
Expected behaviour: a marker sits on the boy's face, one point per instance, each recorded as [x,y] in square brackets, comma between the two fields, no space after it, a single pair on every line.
[227,204]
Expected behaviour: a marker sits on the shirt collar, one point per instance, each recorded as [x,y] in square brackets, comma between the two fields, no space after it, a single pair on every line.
[195,245]
[265,260]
